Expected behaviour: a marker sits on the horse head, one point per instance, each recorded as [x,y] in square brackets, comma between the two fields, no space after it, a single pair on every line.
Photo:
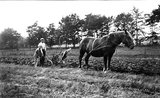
[128,40]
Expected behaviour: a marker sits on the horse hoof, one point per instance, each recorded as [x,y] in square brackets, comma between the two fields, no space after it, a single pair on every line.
[105,70]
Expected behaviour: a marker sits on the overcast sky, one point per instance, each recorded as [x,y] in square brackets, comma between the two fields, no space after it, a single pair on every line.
[20,14]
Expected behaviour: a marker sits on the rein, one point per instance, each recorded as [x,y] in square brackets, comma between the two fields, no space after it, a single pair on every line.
[60,45]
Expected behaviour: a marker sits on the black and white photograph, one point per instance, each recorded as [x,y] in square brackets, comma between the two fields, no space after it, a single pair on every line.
[79,48]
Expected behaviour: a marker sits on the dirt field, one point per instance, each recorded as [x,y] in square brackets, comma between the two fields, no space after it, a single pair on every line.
[29,82]
[133,75]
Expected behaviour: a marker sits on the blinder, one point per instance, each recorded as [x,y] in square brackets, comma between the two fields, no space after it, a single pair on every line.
[128,40]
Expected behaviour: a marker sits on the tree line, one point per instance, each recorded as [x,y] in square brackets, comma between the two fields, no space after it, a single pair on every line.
[72,28]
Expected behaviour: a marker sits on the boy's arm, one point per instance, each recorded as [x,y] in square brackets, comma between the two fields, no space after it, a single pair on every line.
[39,45]
[45,47]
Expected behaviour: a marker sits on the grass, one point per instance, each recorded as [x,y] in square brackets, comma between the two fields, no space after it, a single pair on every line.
[23,81]
[26,81]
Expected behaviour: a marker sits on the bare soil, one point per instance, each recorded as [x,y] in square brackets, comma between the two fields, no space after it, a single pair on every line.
[19,81]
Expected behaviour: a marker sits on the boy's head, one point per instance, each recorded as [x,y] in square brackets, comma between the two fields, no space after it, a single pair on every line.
[42,40]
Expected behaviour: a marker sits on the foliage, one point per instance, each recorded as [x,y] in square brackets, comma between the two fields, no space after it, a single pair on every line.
[93,23]
[154,17]
[22,42]
[59,37]
[9,38]
[137,24]
[153,38]
[35,32]
[137,18]
[51,35]
[108,21]
[123,21]
[70,27]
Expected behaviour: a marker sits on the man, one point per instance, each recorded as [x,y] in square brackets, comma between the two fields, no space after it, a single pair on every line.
[43,46]
[40,53]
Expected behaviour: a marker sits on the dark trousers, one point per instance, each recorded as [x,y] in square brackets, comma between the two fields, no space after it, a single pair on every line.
[44,52]
[42,59]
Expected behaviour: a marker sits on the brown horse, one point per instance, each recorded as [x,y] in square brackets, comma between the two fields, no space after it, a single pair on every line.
[104,47]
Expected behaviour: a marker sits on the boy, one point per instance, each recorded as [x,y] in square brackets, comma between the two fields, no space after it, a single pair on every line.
[43,46]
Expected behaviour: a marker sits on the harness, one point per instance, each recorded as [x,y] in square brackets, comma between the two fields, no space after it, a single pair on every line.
[103,46]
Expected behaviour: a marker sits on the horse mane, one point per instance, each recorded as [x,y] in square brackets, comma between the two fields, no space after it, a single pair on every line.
[112,39]
[115,38]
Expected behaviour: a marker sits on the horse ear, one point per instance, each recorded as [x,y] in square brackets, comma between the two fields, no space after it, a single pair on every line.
[111,36]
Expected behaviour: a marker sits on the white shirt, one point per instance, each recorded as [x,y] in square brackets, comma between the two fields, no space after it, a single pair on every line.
[43,45]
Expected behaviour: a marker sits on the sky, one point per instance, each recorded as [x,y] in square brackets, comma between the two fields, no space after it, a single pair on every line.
[21,14]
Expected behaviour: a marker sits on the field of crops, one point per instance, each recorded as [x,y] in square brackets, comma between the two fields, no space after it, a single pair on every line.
[134,73]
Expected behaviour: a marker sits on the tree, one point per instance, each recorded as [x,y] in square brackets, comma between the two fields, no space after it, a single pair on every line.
[93,23]
[137,23]
[22,42]
[70,27]
[35,32]
[154,38]
[59,36]
[123,21]
[9,39]
[154,17]
[106,25]
[51,35]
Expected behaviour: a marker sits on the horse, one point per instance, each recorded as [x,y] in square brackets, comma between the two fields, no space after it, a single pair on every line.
[104,47]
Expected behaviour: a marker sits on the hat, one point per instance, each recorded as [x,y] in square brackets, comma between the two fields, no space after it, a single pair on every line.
[42,39]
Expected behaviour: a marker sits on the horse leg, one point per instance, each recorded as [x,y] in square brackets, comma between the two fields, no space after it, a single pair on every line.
[80,57]
[105,63]
[42,62]
[86,60]
[109,61]
[36,62]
